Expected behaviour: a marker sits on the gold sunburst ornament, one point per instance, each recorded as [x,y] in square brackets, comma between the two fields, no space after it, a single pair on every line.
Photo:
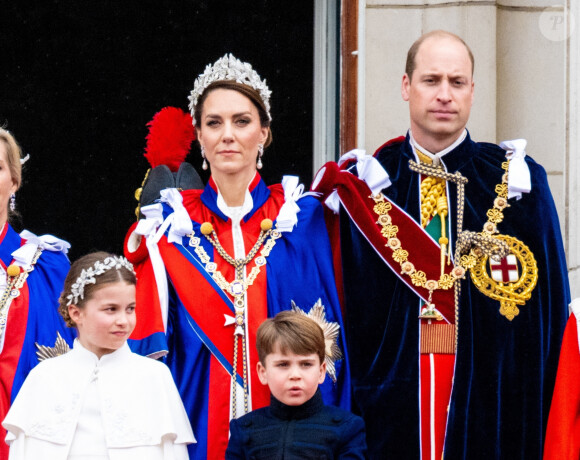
[330,330]
[60,348]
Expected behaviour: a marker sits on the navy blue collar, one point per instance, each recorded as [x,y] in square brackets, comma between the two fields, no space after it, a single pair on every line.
[308,409]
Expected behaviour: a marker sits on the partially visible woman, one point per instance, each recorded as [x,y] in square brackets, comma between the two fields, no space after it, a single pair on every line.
[563,430]
[32,272]
[214,263]
[99,401]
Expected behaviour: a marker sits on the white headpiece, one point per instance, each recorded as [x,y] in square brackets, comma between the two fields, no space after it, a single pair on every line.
[87,276]
[229,68]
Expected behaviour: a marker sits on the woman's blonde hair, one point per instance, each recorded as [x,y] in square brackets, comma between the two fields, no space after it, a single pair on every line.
[13,156]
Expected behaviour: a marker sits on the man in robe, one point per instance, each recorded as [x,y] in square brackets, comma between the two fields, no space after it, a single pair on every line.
[455,280]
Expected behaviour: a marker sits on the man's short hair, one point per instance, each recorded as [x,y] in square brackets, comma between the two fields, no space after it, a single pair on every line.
[290,331]
[412,53]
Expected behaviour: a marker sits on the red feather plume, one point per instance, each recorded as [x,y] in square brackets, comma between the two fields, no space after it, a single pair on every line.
[170,136]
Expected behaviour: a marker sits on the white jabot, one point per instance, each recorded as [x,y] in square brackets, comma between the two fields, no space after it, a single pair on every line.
[575,310]
[519,174]
[236,214]
[24,254]
[287,216]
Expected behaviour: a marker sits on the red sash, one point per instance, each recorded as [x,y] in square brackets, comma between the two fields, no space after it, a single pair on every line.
[424,252]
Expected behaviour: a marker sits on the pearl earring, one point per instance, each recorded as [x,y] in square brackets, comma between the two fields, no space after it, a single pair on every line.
[204,164]
[259,164]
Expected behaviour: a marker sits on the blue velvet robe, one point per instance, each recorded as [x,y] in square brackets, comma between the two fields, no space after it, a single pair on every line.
[505,370]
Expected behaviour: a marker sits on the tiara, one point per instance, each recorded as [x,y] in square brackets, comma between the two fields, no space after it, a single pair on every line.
[332,351]
[229,68]
[88,275]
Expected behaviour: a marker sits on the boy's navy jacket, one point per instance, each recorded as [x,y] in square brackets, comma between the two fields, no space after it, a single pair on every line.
[309,431]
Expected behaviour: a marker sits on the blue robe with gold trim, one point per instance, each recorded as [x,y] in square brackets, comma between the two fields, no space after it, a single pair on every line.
[505,370]
[33,317]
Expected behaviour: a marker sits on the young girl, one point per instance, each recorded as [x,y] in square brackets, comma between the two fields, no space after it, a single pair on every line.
[99,401]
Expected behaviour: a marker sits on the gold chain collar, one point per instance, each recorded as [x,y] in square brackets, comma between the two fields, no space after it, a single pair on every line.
[16,276]
[238,287]
[470,246]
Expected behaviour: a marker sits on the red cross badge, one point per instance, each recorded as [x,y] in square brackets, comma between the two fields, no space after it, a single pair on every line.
[506,270]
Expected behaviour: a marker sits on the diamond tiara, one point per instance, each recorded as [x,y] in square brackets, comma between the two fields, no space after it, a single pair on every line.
[88,275]
[228,68]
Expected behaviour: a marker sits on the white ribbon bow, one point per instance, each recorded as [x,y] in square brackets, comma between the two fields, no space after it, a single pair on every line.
[153,219]
[24,254]
[369,170]
[287,216]
[179,221]
[519,174]
[153,227]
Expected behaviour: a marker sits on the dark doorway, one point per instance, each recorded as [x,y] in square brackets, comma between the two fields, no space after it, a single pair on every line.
[81,79]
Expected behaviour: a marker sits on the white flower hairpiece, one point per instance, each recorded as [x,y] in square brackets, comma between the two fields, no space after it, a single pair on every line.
[229,68]
[88,275]
[330,330]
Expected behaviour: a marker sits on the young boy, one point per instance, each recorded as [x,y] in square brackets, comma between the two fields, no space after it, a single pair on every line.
[297,424]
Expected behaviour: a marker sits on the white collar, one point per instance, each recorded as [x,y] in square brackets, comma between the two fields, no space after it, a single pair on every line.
[436,157]
[235,213]
[83,351]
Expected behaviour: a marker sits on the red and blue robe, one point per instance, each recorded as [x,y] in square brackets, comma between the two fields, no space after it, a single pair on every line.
[32,319]
[199,346]
[504,371]
[563,432]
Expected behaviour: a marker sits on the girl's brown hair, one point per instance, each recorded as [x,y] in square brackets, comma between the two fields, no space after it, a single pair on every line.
[112,275]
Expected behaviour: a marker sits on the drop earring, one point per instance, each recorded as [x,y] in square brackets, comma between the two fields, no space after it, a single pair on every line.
[204,164]
[12,202]
[259,164]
